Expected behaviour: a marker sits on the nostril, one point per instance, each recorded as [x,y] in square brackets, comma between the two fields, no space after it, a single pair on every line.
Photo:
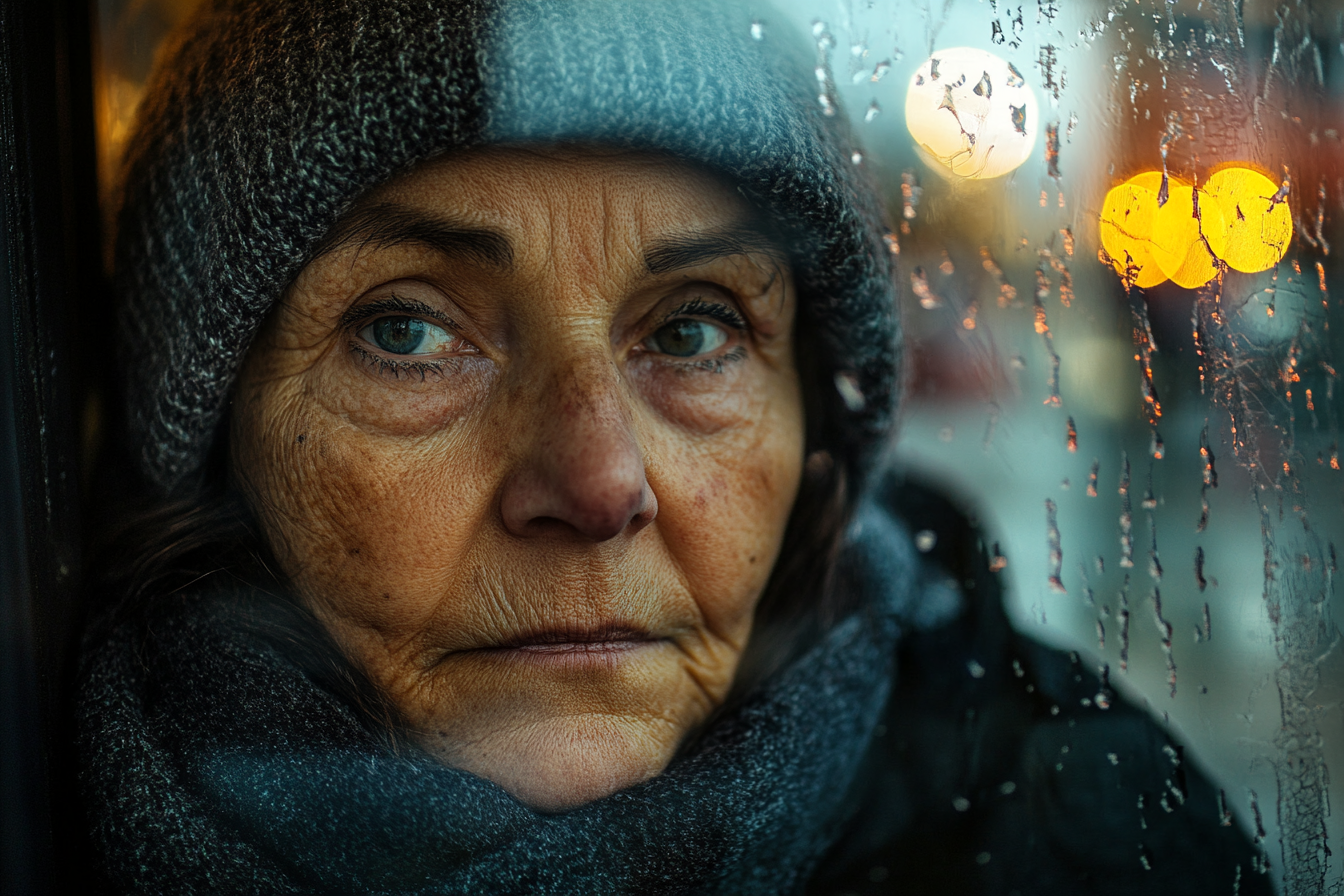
[647,510]
[597,507]
[607,516]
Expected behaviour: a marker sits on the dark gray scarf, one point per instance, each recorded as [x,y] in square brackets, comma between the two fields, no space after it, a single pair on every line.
[213,763]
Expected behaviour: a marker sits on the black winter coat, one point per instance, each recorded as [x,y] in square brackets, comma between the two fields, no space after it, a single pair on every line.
[997,771]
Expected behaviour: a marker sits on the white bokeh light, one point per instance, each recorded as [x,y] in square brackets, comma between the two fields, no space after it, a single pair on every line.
[971,113]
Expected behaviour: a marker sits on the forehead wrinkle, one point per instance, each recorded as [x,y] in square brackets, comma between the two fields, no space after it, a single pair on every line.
[586,230]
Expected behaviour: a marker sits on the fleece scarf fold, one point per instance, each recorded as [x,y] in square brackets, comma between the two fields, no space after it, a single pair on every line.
[214,764]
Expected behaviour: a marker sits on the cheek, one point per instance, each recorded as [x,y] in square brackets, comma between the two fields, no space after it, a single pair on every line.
[702,401]
[724,503]
[367,526]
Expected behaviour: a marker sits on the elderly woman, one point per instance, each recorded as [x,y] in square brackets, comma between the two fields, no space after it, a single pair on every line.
[509,379]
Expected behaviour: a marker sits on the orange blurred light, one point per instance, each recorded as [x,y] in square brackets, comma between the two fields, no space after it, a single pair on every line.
[1234,219]
[1258,228]
[1126,233]
[1188,232]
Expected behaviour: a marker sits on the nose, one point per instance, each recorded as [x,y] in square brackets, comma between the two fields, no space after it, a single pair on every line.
[584,470]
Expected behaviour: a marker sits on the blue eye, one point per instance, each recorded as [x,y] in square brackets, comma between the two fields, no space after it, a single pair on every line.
[687,338]
[406,336]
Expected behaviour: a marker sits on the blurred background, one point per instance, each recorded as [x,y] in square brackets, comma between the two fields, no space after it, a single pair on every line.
[1146,418]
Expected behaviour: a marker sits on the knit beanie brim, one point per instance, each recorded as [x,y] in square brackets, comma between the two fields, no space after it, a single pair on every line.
[268,119]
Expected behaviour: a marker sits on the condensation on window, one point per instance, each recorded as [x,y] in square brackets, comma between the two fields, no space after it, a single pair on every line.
[1118,235]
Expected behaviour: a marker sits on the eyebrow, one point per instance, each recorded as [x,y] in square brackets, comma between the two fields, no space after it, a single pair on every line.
[687,250]
[385,225]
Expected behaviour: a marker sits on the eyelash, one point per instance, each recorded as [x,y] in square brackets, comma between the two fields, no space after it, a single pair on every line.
[712,365]
[724,314]
[395,368]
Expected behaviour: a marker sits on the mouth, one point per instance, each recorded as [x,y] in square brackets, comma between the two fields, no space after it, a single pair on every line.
[604,644]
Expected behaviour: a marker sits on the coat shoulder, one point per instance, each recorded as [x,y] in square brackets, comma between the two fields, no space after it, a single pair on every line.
[1005,766]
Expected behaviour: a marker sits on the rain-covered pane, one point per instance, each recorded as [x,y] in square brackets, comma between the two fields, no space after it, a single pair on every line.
[1116,223]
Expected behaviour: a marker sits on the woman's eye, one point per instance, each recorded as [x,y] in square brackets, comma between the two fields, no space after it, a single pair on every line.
[687,338]
[406,336]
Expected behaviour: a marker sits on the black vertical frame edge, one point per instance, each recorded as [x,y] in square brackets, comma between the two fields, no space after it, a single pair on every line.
[52,308]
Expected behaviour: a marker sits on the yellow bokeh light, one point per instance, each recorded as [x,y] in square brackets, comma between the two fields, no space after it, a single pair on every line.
[1258,228]
[1126,233]
[1234,219]
[1188,232]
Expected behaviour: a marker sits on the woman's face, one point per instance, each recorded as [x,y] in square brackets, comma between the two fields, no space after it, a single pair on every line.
[525,438]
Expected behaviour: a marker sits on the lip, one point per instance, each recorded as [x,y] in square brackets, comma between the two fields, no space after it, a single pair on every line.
[603,646]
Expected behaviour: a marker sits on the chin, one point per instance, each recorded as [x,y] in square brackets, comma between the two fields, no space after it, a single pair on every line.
[563,762]
[562,718]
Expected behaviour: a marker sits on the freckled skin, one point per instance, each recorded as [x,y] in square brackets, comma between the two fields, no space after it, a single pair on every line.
[551,470]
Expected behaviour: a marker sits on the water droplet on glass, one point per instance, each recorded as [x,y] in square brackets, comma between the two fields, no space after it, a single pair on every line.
[847,384]
[1126,516]
[919,283]
[873,111]
[1056,554]
[961,804]
[976,670]
[757,29]
[1224,814]
[999,562]
[925,539]
[1164,629]
[911,192]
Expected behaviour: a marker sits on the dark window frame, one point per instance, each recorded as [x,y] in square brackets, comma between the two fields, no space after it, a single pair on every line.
[52,305]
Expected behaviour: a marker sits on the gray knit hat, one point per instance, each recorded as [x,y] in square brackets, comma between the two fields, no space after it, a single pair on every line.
[268,119]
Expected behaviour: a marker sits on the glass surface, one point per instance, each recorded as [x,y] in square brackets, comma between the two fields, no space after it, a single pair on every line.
[1159,462]
[1118,235]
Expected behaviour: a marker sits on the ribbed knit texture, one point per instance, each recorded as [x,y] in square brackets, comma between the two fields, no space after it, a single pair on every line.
[270,118]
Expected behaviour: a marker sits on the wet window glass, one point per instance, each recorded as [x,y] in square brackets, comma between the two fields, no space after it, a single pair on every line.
[1116,232]
[1114,223]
